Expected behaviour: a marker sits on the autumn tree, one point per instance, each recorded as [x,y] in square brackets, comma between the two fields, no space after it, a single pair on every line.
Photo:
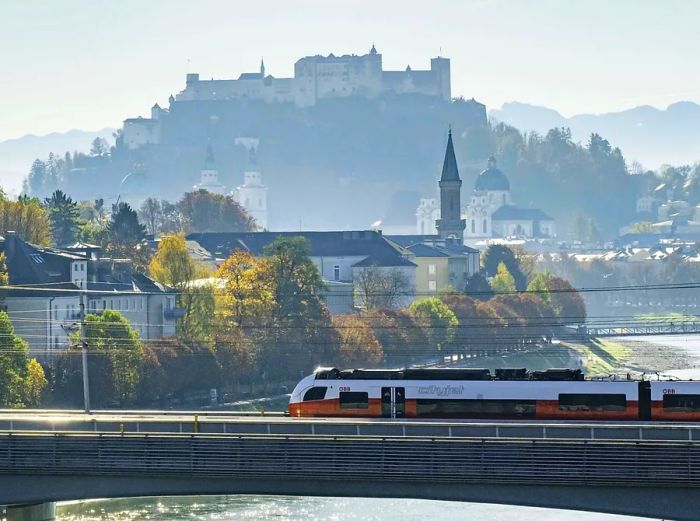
[247,295]
[497,254]
[117,349]
[567,303]
[173,266]
[438,320]
[204,211]
[503,282]
[27,218]
[357,344]
[401,336]
[22,380]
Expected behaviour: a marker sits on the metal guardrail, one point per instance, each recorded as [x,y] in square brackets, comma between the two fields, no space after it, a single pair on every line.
[236,425]
[541,462]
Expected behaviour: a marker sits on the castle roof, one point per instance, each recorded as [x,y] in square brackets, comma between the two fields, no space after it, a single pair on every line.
[449,166]
[251,76]
[492,179]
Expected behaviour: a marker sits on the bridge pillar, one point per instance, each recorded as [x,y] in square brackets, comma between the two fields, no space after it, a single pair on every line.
[36,512]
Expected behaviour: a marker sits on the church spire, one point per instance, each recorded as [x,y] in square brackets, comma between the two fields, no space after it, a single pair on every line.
[252,165]
[450,225]
[449,165]
[209,162]
[262,67]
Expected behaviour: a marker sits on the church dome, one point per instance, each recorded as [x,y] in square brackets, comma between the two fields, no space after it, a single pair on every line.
[492,179]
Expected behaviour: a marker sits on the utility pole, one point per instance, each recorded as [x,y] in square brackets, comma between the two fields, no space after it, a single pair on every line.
[84,347]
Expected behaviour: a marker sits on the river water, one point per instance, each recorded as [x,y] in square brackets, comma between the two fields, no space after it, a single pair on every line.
[280,508]
[311,509]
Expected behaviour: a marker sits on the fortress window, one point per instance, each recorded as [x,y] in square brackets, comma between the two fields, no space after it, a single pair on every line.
[592,402]
[315,393]
[354,400]
[681,402]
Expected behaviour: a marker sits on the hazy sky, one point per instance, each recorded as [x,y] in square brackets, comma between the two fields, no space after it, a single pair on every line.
[91,63]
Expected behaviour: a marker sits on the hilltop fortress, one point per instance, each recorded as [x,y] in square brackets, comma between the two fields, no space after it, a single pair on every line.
[315,78]
[321,77]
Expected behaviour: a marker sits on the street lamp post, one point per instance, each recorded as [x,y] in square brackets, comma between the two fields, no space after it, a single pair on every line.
[84,346]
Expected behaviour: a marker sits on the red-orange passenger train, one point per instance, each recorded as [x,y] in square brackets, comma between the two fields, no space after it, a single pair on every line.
[554,394]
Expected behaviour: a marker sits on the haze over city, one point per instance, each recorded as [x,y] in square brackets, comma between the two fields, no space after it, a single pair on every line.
[87,65]
[378,260]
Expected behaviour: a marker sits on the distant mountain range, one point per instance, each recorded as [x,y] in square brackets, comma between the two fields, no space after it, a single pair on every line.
[17,155]
[645,134]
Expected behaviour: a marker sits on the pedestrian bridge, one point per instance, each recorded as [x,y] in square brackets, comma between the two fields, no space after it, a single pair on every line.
[641,469]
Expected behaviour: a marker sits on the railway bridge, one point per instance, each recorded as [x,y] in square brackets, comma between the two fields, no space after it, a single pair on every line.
[642,469]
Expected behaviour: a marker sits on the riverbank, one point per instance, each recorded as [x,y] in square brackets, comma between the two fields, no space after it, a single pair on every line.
[598,357]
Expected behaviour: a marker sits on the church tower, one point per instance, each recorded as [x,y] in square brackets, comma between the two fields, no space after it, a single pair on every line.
[252,194]
[209,175]
[450,224]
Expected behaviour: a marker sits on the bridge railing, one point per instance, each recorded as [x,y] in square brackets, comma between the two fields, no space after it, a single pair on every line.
[232,425]
[541,462]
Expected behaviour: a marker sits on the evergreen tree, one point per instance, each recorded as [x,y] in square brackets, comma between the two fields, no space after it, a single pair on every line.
[64,216]
[124,229]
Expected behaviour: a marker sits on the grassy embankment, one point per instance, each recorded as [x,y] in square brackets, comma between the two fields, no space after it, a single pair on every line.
[601,357]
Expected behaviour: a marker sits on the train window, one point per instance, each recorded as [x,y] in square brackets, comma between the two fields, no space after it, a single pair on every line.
[315,393]
[681,402]
[436,408]
[592,402]
[354,400]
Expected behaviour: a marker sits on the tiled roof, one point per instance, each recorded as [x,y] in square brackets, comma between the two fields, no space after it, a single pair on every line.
[423,250]
[430,240]
[369,244]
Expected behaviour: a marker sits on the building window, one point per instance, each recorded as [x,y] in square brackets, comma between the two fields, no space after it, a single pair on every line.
[473,226]
[504,198]
[432,285]
[484,227]
[336,272]
[431,269]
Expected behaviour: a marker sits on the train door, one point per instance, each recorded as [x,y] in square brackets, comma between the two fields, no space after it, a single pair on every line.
[393,402]
[644,401]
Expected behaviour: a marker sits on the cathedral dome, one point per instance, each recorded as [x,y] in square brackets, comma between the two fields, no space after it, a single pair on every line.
[492,179]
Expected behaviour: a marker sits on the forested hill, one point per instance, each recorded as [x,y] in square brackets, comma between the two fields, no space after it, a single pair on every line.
[347,163]
[646,134]
[335,165]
